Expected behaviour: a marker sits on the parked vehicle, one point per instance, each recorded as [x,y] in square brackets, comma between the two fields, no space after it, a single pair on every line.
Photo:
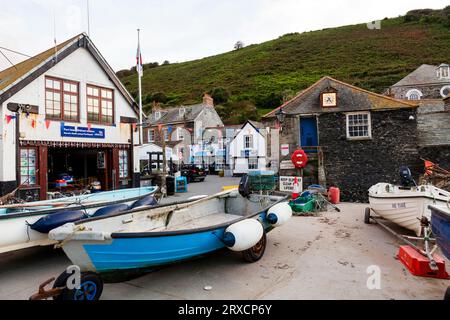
[405,205]
[23,225]
[165,234]
[193,173]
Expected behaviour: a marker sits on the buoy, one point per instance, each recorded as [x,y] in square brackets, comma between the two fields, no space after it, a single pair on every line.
[296,191]
[279,214]
[243,235]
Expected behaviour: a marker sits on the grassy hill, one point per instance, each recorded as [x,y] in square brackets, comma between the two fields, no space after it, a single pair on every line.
[259,77]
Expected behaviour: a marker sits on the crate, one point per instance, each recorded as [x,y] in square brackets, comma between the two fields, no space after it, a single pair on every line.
[262,182]
[303,204]
[181,185]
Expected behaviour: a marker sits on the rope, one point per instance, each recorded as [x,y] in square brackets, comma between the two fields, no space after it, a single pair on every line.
[70,236]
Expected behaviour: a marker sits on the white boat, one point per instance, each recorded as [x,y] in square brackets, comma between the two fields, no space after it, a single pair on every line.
[17,221]
[405,206]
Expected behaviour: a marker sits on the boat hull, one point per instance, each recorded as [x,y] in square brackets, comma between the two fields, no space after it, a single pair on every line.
[440,222]
[141,253]
[15,233]
[405,212]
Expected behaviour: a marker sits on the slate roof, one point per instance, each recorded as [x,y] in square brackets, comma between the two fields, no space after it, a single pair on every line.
[350,98]
[172,115]
[425,74]
[13,79]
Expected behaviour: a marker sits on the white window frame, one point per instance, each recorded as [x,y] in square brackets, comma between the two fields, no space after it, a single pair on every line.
[369,128]
[441,72]
[250,142]
[253,163]
[150,133]
[413,92]
[157,115]
[442,91]
[166,135]
[180,134]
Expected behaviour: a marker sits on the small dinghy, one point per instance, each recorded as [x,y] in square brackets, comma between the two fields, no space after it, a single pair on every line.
[27,225]
[143,239]
[407,204]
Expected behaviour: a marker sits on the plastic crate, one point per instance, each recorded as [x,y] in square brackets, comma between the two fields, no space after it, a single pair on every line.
[303,204]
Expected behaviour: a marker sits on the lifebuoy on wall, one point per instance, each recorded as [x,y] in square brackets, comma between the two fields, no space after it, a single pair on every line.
[299,159]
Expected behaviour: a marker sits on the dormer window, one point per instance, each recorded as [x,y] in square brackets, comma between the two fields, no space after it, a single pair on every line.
[414,94]
[157,115]
[443,71]
[182,112]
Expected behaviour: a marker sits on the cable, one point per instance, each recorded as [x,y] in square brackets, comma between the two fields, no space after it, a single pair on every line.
[1,52]
[16,52]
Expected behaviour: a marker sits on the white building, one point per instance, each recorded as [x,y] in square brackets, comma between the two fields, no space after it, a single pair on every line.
[248,149]
[65,111]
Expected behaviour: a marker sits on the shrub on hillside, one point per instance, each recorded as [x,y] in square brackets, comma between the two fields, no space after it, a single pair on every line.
[220,95]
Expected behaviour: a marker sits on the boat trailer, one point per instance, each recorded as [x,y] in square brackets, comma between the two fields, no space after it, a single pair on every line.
[420,262]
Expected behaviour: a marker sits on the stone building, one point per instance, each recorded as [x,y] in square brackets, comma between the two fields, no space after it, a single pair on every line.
[426,82]
[354,138]
[183,127]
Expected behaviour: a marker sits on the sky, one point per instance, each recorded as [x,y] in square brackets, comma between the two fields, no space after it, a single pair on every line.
[178,30]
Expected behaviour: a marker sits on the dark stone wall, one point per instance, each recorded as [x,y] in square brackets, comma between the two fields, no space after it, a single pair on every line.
[354,166]
[437,154]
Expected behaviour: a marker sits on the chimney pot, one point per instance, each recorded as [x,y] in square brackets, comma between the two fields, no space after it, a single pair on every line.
[208,100]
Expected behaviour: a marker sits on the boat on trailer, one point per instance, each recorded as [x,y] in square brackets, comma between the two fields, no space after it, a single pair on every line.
[144,239]
[407,204]
[27,225]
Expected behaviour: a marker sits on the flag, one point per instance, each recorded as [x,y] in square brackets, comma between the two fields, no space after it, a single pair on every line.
[139,64]
[47,124]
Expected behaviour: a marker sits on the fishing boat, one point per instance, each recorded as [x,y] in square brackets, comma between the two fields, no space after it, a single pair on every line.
[406,204]
[143,239]
[27,225]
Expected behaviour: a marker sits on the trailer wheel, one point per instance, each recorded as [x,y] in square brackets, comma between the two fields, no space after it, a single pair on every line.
[91,288]
[255,254]
[367,216]
[447,295]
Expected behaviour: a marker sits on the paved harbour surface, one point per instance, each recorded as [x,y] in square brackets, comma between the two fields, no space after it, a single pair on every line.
[323,257]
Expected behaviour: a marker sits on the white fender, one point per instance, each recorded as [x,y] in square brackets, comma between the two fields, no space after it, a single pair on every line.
[243,235]
[279,214]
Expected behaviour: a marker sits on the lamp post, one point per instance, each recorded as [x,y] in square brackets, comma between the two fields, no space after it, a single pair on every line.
[281,117]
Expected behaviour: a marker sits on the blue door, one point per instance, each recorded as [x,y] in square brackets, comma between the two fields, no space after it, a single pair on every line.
[308,132]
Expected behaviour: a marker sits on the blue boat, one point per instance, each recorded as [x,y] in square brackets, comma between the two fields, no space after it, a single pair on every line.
[143,239]
[440,223]
[27,225]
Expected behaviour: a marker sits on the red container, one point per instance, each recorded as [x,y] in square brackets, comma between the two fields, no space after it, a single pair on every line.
[334,195]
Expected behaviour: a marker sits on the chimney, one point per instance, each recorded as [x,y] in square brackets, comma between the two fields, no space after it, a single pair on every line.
[208,100]
[447,104]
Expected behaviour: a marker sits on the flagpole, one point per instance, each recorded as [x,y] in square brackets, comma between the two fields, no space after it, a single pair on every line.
[141,129]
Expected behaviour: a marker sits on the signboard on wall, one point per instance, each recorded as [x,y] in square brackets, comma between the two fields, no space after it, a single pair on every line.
[287,165]
[284,150]
[287,184]
[81,132]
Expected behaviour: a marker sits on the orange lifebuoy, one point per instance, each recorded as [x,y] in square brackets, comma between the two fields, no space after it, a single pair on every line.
[299,159]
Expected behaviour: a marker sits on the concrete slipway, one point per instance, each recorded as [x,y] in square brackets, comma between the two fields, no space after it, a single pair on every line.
[324,257]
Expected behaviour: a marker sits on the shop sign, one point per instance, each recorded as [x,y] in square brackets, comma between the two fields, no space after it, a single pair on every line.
[81,132]
[287,184]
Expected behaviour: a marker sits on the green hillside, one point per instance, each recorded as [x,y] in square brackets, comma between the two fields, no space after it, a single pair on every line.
[259,77]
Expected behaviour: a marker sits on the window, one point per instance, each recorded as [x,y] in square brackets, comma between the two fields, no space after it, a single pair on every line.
[28,166]
[180,134]
[151,135]
[444,71]
[252,163]
[166,134]
[157,115]
[414,94]
[61,99]
[359,126]
[220,163]
[182,112]
[445,91]
[100,105]
[248,142]
[123,164]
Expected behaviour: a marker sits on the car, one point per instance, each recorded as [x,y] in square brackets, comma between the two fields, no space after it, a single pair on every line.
[193,173]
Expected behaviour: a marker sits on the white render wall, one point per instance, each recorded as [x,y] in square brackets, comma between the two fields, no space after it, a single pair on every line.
[80,66]
[240,164]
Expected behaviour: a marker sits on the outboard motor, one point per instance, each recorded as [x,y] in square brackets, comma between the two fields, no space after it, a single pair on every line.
[244,186]
[406,177]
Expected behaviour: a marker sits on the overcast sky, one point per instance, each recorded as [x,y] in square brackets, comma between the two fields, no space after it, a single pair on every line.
[179,30]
